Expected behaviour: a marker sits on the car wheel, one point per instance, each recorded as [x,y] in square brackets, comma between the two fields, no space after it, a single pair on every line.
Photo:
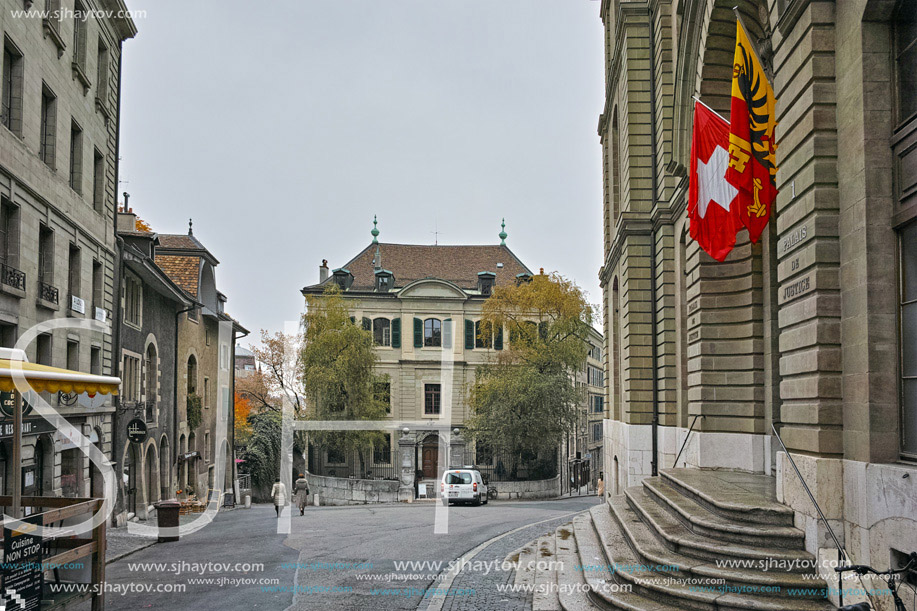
[477,501]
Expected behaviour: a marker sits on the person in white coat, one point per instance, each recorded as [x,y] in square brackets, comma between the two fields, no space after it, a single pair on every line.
[279,494]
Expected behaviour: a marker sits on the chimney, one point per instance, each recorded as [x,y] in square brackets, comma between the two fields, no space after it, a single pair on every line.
[323,271]
[127,220]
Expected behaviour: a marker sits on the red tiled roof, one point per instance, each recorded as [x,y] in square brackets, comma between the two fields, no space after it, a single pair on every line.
[457,264]
[184,270]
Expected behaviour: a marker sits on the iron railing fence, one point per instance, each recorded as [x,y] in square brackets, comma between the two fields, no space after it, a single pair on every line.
[376,464]
[503,466]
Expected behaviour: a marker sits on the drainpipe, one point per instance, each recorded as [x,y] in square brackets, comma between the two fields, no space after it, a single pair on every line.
[232,443]
[654,190]
[116,283]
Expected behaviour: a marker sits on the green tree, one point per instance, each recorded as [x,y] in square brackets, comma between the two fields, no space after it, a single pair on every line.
[338,374]
[262,452]
[526,400]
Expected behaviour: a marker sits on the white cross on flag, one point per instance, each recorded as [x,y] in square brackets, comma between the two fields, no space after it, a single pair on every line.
[710,196]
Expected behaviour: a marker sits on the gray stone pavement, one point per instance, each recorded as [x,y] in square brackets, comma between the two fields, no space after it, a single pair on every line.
[335,558]
[369,540]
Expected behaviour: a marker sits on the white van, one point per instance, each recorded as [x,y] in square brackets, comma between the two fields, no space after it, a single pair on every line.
[463,485]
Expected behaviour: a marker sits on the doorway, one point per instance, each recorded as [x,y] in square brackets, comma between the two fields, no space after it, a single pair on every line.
[429,456]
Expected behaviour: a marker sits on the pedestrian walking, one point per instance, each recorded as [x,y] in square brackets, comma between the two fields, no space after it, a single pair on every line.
[301,492]
[600,487]
[279,494]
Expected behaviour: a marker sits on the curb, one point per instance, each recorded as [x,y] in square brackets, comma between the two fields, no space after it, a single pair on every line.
[129,552]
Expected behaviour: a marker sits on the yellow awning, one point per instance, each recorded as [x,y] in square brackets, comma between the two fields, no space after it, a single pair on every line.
[52,379]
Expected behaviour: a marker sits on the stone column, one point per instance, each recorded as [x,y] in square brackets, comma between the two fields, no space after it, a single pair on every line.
[456,450]
[408,467]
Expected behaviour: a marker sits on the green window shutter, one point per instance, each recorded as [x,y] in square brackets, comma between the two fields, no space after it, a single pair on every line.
[498,338]
[469,334]
[447,333]
[367,324]
[396,333]
[418,333]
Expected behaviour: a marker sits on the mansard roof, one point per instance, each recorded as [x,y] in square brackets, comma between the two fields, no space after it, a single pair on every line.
[458,264]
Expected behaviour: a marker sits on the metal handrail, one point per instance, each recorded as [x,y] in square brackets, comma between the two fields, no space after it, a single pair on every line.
[685,442]
[840,549]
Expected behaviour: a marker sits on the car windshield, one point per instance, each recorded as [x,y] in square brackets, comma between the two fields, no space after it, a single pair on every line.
[458,478]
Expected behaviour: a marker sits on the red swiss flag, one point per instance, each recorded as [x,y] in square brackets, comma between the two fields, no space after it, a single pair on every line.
[711,198]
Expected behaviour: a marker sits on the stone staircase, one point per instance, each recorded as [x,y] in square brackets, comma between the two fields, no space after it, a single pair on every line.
[688,539]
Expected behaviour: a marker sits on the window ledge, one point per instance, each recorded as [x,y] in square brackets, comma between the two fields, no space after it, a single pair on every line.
[12,290]
[50,305]
[80,75]
[102,107]
[53,32]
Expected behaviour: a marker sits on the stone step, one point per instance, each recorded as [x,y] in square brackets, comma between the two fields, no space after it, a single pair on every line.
[677,593]
[571,587]
[708,524]
[678,538]
[654,553]
[525,574]
[744,497]
[604,591]
[545,598]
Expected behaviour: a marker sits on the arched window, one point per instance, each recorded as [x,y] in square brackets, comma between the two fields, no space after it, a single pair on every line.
[382,332]
[151,378]
[192,375]
[432,332]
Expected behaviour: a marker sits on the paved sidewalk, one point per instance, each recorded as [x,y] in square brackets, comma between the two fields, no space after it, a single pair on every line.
[121,543]
[487,596]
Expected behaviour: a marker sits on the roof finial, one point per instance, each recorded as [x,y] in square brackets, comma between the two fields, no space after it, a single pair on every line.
[503,233]
[375,230]
[190,227]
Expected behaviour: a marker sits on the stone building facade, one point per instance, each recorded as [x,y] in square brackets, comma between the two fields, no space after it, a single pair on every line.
[147,337]
[582,451]
[811,330]
[423,305]
[205,368]
[61,83]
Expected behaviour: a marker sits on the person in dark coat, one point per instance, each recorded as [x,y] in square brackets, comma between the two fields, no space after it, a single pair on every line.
[301,493]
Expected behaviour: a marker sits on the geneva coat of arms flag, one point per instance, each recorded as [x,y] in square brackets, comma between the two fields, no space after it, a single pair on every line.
[711,197]
[752,148]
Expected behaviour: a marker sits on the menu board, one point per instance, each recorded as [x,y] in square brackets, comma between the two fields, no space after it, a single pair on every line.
[22,574]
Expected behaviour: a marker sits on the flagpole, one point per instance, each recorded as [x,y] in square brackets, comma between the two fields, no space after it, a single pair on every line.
[754,45]
[710,109]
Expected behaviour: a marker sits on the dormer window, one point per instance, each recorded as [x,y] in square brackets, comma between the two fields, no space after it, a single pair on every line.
[523,278]
[486,281]
[385,281]
[343,278]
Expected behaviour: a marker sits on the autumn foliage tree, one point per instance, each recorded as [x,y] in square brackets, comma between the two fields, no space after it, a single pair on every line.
[242,410]
[526,400]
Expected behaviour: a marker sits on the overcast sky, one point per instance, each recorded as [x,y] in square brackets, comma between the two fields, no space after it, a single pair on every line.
[283,126]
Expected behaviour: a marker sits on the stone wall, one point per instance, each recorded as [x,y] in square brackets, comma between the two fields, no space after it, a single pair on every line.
[341,491]
[536,489]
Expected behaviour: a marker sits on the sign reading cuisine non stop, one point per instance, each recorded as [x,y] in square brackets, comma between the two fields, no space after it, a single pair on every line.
[22,574]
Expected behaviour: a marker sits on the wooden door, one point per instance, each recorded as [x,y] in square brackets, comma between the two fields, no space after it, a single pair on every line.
[429,460]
